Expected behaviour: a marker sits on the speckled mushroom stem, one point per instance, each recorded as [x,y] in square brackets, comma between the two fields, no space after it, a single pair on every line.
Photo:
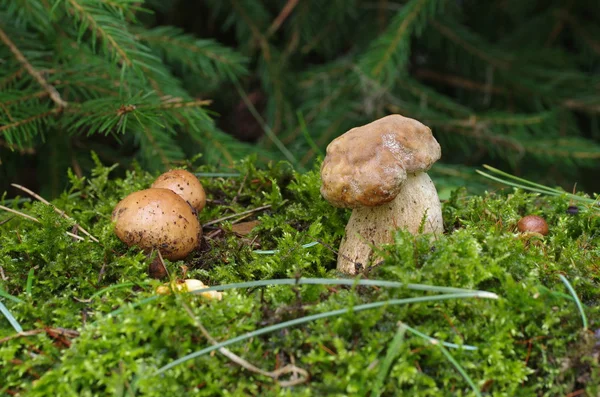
[376,225]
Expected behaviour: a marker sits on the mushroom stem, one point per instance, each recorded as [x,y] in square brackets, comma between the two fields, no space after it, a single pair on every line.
[374,226]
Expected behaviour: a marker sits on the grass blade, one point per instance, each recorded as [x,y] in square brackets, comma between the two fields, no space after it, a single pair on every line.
[517,185]
[342,281]
[516,178]
[532,186]
[11,319]
[8,296]
[319,316]
[307,136]
[268,252]
[30,277]
[460,369]
[217,174]
[577,301]
[116,286]
[390,356]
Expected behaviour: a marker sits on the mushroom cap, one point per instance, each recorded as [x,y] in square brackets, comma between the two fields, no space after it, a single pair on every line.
[533,223]
[185,184]
[365,167]
[157,218]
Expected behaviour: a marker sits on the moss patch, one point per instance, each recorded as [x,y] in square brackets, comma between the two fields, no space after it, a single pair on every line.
[529,342]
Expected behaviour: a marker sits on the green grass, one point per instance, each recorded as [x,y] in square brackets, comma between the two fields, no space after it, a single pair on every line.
[284,303]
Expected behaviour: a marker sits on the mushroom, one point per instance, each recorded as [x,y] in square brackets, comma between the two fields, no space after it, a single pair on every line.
[185,184]
[378,170]
[533,224]
[157,219]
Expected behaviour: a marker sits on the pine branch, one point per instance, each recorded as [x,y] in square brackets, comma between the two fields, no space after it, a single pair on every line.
[32,14]
[283,15]
[206,57]
[22,130]
[54,95]
[155,141]
[471,43]
[109,26]
[389,53]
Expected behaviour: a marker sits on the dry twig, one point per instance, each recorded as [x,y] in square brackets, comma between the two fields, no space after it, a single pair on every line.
[291,368]
[58,211]
[264,207]
[31,218]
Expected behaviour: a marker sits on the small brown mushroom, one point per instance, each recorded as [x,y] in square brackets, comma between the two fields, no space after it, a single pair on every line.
[159,219]
[378,170]
[533,224]
[185,184]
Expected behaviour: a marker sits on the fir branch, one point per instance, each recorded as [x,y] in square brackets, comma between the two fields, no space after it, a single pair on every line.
[427,96]
[21,96]
[11,78]
[388,55]
[156,142]
[457,81]
[106,24]
[28,13]
[258,10]
[207,56]
[283,15]
[31,119]
[86,14]
[471,43]
[54,95]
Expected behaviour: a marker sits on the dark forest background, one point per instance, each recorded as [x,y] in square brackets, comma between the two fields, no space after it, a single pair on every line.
[511,83]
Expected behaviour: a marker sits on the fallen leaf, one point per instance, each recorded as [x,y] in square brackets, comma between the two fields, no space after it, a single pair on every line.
[244,228]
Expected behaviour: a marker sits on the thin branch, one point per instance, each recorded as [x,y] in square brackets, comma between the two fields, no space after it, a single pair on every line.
[31,218]
[245,364]
[39,94]
[400,33]
[264,207]
[451,35]
[283,15]
[69,333]
[58,211]
[457,81]
[29,119]
[54,95]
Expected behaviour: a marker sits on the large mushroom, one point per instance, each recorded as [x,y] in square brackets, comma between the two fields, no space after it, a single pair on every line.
[378,170]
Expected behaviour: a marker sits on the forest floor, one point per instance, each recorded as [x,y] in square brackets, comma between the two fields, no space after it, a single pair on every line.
[481,310]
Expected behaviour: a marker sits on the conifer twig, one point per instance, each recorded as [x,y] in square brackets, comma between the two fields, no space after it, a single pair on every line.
[283,15]
[29,119]
[58,211]
[54,95]
[31,218]
[100,31]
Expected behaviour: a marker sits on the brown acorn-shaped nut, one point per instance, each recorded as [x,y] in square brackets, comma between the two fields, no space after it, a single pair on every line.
[533,223]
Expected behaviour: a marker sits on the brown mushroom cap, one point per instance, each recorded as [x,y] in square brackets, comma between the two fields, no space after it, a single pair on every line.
[185,184]
[367,165]
[533,223]
[157,218]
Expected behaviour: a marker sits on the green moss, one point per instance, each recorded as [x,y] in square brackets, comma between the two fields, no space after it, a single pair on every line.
[530,341]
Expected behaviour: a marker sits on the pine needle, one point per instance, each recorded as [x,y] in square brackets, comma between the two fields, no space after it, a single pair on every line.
[577,301]
[13,321]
